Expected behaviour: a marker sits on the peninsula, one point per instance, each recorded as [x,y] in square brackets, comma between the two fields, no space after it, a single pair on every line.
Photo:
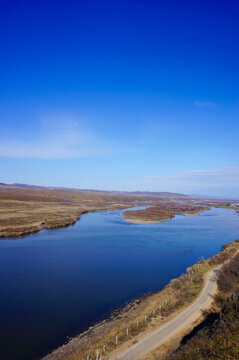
[27,209]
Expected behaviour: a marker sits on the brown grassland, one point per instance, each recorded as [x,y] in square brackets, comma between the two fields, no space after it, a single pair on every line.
[26,210]
[162,212]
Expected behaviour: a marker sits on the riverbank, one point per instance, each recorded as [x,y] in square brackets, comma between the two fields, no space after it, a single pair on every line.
[142,315]
[154,341]
[217,336]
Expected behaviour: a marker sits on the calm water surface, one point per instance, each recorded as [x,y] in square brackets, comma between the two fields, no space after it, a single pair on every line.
[55,284]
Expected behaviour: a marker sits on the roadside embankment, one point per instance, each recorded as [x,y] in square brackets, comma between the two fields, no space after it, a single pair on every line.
[218,336]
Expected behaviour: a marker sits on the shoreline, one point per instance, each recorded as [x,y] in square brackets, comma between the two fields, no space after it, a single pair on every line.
[25,231]
[113,324]
[148,222]
[144,222]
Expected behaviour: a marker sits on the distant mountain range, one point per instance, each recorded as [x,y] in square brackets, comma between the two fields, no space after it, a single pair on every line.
[210,197]
[139,193]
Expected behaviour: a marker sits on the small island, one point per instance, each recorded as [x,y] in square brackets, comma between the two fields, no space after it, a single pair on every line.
[162,212]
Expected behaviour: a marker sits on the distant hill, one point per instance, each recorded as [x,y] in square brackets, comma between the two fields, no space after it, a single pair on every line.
[135,193]
[152,193]
[226,198]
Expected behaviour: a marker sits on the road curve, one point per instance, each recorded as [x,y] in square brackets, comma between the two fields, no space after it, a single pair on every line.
[165,332]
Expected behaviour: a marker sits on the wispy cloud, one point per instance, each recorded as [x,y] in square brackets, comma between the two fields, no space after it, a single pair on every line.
[215,180]
[57,140]
[217,174]
[205,103]
[225,172]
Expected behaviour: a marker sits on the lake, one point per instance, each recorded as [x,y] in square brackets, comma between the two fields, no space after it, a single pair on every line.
[57,283]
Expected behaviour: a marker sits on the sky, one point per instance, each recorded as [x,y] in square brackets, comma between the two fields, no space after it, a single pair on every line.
[120,95]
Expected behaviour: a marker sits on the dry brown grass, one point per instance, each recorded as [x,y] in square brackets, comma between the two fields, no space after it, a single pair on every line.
[24,210]
[162,212]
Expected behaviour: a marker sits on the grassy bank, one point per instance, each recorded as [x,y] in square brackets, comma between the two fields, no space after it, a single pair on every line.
[218,339]
[143,314]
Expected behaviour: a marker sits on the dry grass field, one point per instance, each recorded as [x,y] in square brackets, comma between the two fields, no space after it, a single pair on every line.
[25,210]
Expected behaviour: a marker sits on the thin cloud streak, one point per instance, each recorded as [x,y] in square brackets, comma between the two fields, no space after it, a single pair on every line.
[221,172]
[205,103]
[218,180]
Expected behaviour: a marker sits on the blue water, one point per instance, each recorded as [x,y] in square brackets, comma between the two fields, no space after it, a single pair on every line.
[55,284]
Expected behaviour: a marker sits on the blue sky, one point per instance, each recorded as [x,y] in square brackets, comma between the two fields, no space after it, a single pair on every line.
[120,95]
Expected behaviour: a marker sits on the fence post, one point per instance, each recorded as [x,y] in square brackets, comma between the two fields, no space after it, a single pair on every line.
[116,339]
[145,318]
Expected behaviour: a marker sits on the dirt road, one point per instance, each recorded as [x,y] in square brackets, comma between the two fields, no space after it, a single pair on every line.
[176,325]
